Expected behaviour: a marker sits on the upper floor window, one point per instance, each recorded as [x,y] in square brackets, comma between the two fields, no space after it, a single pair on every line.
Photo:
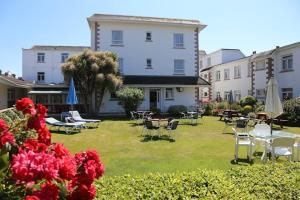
[200,64]
[260,65]
[205,94]
[64,57]
[237,72]
[287,62]
[178,41]
[117,38]
[287,93]
[148,63]
[218,75]
[226,74]
[40,76]
[178,66]
[148,36]
[121,67]
[169,93]
[40,57]
[208,61]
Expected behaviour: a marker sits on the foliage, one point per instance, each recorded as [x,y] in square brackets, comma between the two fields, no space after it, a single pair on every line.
[176,110]
[34,168]
[93,71]
[253,182]
[248,100]
[292,111]
[260,108]
[246,110]
[155,111]
[130,98]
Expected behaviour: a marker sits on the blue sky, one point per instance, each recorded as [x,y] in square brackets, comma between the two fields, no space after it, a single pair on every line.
[248,25]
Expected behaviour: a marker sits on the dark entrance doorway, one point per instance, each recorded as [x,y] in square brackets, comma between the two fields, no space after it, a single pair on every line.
[154,97]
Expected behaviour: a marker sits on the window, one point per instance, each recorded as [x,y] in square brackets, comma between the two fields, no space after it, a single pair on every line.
[218,96]
[287,93]
[260,93]
[11,94]
[208,61]
[64,57]
[205,94]
[260,65]
[237,95]
[178,66]
[40,57]
[249,70]
[41,76]
[218,75]
[169,93]
[226,96]
[178,40]
[205,76]
[237,72]
[41,98]
[148,37]
[201,64]
[121,67]
[117,38]
[113,95]
[149,63]
[56,99]
[226,74]
[287,62]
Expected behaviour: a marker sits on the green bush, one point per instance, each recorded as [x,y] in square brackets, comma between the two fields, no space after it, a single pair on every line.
[260,108]
[292,111]
[246,110]
[278,181]
[248,100]
[175,110]
[130,98]
[235,106]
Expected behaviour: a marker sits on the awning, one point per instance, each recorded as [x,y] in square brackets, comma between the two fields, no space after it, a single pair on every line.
[48,92]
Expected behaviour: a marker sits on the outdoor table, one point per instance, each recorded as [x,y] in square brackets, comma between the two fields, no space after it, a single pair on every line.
[159,123]
[267,137]
[191,115]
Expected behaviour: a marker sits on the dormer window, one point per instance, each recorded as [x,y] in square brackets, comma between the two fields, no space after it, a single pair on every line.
[148,37]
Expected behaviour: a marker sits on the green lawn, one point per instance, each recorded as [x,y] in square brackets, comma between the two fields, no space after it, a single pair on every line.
[124,151]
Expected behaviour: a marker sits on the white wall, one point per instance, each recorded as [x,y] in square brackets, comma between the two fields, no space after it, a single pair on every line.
[136,50]
[51,66]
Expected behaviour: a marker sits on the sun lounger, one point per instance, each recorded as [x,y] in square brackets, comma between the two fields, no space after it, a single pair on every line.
[94,123]
[65,127]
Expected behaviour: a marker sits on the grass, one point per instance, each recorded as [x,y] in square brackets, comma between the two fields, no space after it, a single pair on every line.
[124,151]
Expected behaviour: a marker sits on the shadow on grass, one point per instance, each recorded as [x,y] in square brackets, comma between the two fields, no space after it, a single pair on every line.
[242,162]
[64,133]
[149,138]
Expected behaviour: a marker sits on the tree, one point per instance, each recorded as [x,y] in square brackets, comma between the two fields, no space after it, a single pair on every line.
[93,72]
[130,98]
[248,100]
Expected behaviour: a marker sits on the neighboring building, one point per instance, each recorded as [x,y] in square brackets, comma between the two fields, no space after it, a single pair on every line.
[158,55]
[11,89]
[250,75]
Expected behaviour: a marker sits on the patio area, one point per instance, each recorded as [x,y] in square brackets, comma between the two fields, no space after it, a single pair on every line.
[124,151]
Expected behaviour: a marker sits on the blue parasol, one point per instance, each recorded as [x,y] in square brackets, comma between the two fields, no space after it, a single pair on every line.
[72,98]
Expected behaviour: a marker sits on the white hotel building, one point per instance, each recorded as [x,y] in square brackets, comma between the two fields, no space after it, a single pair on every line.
[158,55]
[229,70]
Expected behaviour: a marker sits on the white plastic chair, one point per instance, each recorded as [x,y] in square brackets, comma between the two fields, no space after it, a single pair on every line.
[262,130]
[281,146]
[242,139]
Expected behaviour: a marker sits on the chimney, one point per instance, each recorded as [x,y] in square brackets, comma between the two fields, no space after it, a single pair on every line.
[13,75]
[277,47]
[20,78]
[254,52]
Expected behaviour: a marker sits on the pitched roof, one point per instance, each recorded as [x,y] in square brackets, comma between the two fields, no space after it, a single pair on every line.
[62,48]
[164,80]
[141,19]
[11,81]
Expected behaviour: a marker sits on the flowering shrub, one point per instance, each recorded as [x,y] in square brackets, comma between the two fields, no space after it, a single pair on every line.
[37,169]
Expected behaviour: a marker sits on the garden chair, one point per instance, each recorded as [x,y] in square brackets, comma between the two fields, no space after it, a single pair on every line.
[194,119]
[149,128]
[172,126]
[54,124]
[241,124]
[281,146]
[242,139]
[93,123]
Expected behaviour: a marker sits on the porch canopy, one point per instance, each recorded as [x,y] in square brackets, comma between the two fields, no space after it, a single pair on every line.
[164,80]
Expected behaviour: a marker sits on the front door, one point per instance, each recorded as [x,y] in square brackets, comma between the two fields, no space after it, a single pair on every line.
[154,97]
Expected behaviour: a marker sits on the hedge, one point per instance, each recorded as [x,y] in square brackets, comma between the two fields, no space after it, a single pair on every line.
[279,181]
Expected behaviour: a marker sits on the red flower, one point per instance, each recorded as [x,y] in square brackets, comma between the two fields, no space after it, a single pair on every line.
[49,191]
[26,106]
[34,145]
[41,110]
[82,191]
[35,123]
[60,151]
[67,168]
[31,197]
[3,125]
[44,135]
[6,137]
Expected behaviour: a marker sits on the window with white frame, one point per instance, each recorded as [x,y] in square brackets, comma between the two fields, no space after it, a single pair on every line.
[260,65]
[64,57]
[237,72]
[40,57]
[148,36]
[117,38]
[287,62]
[205,94]
[226,74]
[260,93]
[218,75]
[169,93]
[237,95]
[40,76]
[208,61]
[121,65]
[218,95]
[178,41]
[11,94]
[148,63]
[287,93]
[178,66]
[226,95]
